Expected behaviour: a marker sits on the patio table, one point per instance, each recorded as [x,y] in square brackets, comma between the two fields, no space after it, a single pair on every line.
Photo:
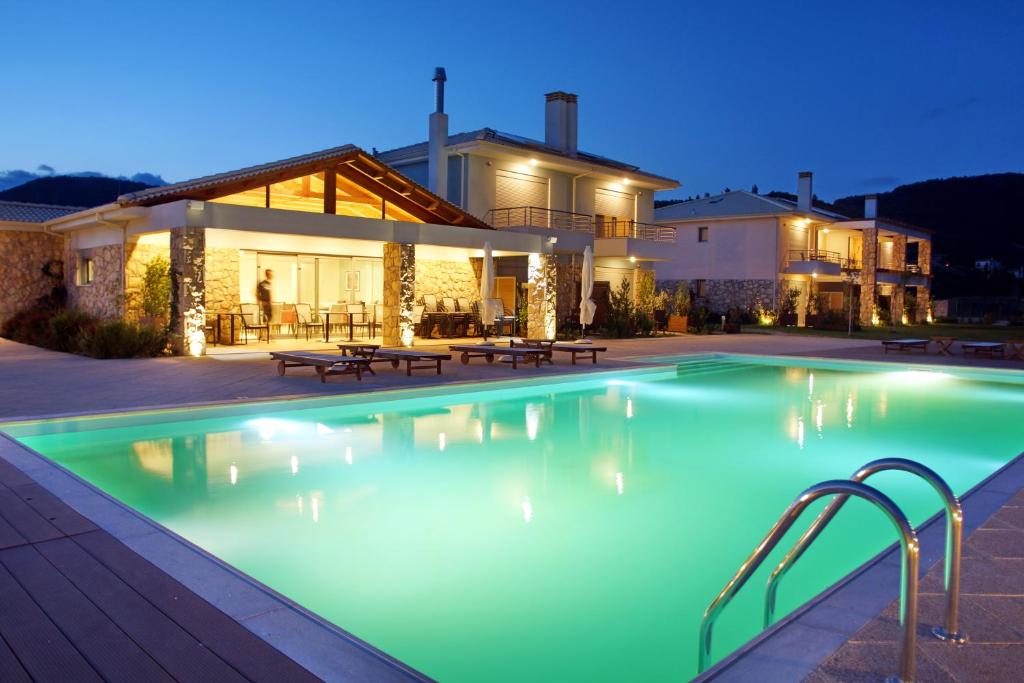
[327,323]
[988,349]
[231,319]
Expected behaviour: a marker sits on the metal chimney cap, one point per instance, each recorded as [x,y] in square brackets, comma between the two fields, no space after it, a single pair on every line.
[439,74]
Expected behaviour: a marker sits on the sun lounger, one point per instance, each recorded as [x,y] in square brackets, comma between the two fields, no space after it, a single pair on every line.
[987,349]
[905,345]
[579,349]
[489,351]
[323,364]
[542,344]
[428,360]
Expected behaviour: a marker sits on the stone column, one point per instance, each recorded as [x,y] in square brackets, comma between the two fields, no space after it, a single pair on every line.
[924,295]
[188,291]
[899,253]
[399,293]
[896,304]
[868,275]
[541,321]
[924,256]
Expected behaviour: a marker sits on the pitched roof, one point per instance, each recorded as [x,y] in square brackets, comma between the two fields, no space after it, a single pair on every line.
[738,203]
[25,212]
[510,140]
[347,160]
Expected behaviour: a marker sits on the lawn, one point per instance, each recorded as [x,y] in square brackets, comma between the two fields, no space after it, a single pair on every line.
[971,332]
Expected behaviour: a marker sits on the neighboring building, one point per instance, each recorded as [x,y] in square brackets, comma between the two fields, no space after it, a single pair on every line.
[743,249]
[335,226]
[30,267]
[988,265]
[548,188]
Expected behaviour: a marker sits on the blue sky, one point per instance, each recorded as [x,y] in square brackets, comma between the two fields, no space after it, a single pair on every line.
[867,95]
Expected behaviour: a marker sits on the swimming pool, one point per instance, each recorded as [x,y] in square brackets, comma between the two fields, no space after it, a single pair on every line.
[572,530]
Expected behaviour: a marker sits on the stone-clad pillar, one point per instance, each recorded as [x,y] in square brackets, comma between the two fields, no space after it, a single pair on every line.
[896,304]
[899,253]
[541,321]
[924,256]
[188,291]
[868,274]
[399,293]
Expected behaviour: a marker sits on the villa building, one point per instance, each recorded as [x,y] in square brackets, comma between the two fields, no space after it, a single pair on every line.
[743,249]
[548,188]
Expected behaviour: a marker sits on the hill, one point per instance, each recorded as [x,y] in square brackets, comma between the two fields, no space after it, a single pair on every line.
[71,190]
[973,217]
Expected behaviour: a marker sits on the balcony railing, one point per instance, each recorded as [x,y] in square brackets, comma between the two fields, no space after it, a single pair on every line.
[537,217]
[635,230]
[824,255]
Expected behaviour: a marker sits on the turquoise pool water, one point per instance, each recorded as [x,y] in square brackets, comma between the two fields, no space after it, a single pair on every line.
[572,531]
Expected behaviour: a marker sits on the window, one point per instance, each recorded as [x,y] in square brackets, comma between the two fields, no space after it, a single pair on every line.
[702,234]
[702,285]
[85,273]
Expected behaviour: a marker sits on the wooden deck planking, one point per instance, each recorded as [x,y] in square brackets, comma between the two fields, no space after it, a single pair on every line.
[114,655]
[41,648]
[56,512]
[175,649]
[26,520]
[11,670]
[214,629]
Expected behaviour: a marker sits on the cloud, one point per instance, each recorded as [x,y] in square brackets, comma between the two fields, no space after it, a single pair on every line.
[14,177]
[875,182]
[944,110]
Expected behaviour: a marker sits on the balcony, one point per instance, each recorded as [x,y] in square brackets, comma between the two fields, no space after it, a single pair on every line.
[537,217]
[646,232]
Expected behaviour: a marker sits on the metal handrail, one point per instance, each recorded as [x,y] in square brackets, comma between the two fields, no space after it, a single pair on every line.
[954,538]
[815,255]
[908,566]
[649,232]
[539,217]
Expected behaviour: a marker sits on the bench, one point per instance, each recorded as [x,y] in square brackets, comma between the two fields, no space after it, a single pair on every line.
[428,360]
[322,363]
[905,345]
[489,351]
[580,349]
[987,349]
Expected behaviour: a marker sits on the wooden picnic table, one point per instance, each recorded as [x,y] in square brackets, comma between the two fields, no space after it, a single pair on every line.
[945,345]
[1014,349]
[983,348]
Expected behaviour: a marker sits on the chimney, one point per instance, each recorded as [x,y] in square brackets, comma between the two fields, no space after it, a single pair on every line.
[804,190]
[871,206]
[560,119]
[437,156]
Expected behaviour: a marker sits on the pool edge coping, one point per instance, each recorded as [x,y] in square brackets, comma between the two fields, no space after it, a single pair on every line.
[773,660]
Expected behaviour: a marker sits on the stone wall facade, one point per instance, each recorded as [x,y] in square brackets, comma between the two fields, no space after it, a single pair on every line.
[399,293]
[104,297]
[223,270]
[447,278]
[541,322]
[721,295]
[568,281]
[25,255]
[138,258]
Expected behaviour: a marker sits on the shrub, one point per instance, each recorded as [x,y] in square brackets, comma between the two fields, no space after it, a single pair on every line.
[681,299]
[30,327]
[619,321]
[120,339]
[156,288]
[789,301]
[67,327]
[698,320]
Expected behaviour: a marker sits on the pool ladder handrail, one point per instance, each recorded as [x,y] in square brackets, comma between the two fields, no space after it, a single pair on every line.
[910,557]
[949,631]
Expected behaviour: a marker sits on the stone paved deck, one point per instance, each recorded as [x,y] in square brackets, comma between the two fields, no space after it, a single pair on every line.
[991,613]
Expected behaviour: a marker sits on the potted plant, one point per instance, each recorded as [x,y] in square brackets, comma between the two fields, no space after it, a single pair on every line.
[733,321]
[678,319]
[787,311]
[156,292]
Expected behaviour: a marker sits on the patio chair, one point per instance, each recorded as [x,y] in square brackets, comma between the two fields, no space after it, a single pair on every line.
[250,314]
[501,319]
[464,305]
[430,303]
[417,319]
[378,320]
[338,320]
[276,309]
[306,320]
[449,304]
[359,317]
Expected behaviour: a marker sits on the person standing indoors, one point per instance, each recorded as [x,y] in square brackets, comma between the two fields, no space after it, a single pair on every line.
[263,294]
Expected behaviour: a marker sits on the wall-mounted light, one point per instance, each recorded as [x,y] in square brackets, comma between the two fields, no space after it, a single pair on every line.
[625,181]
[632,259]
[533,162]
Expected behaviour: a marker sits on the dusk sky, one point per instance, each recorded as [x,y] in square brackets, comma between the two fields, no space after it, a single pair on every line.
[867,95]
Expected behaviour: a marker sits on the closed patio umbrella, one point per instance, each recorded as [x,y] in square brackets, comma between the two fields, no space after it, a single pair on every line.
[487,310]
[587,305]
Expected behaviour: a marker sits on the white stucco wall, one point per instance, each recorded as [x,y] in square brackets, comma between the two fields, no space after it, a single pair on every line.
[742,249]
